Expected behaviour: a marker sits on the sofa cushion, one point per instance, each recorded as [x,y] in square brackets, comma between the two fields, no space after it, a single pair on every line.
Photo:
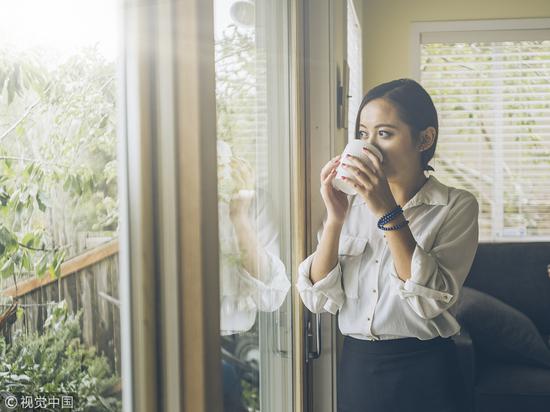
[499,331]
[517,274]
[506,378]
[512,388]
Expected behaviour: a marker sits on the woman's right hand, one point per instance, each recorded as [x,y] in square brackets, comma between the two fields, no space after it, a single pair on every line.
[336,201]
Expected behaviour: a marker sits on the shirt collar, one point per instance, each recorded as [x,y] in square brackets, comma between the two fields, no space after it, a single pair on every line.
[433,192]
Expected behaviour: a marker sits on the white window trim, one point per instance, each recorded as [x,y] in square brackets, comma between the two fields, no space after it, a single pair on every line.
[464,30]
[356,21]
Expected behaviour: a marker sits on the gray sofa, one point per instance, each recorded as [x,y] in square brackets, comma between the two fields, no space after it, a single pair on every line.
[504,343]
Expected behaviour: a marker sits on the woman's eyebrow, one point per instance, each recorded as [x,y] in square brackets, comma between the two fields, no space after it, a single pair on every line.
[381,125]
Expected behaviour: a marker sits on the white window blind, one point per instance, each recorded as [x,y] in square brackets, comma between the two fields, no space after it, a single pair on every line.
[493,102]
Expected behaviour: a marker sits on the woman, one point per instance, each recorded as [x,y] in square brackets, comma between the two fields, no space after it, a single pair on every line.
[392,259]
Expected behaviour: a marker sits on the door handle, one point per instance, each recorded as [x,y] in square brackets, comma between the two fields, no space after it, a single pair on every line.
[280,347]
[313,333]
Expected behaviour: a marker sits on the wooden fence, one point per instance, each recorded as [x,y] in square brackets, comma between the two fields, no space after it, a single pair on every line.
[88,282]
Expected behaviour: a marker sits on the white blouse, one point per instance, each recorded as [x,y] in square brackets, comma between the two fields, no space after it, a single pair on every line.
[241,294]
[374,303]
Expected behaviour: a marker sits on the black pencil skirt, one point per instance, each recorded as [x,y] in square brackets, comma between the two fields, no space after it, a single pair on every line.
[400,375]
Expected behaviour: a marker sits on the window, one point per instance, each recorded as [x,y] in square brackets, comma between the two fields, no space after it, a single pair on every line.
[59,202]
[491,88]
[355,68]
[253,141]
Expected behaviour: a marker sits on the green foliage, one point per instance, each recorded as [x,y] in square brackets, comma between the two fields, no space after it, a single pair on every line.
[57,157]
[56,362]
[251,397]
[236,87]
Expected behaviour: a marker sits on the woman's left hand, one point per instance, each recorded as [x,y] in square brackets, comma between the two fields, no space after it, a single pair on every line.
[371,183]
[241,200]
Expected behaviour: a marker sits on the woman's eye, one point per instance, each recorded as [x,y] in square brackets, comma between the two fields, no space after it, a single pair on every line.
[384,133]
[362,133]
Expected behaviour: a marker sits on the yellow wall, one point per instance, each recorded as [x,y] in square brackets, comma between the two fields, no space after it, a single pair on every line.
[387,24]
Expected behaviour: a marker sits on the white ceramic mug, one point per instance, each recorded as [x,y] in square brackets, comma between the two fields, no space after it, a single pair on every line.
[355,148]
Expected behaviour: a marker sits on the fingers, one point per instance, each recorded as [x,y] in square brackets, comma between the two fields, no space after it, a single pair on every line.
[361,171]
[329,177]
[242,172]
[329,168]
[237,178]
[376,164]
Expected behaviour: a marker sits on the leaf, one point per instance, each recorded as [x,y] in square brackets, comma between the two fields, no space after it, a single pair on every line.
[11,90]
[68,182]
[41,266]
[17,79]
[4,197]
[58,261]
[7,238]
[20,313]
[26,261]
[51,271]
[3,76]
[7,268]
[39,200]
[28,239]
[28,170]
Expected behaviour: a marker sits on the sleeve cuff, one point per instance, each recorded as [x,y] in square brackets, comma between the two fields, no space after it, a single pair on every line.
[304,280]
[269,295]
[410,288]
[423,268]
[325,294]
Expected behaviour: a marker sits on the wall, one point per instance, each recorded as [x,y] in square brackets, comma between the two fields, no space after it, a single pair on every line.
[386,28]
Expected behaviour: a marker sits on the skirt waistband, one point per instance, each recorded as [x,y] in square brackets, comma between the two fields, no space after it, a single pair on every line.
[394,345]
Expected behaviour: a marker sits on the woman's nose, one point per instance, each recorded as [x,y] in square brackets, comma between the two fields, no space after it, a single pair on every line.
[371,140]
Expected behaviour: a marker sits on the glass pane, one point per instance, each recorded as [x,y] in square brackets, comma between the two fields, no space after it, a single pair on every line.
[355,62]
[59,204]
[252,97]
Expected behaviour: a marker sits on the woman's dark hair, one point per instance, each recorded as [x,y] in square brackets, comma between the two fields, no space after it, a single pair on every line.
[414,106]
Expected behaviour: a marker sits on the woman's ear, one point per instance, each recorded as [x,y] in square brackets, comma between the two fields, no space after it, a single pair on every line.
[427,138]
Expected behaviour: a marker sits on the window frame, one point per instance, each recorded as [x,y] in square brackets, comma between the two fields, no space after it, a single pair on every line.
[529,29]
[467,30]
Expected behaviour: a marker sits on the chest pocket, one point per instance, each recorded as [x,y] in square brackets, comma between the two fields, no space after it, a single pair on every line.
[350,255]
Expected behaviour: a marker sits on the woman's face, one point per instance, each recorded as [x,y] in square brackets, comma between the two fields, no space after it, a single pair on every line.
[381,126]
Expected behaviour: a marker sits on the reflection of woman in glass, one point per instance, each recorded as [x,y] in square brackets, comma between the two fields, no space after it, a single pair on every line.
[253,277]
[394,272]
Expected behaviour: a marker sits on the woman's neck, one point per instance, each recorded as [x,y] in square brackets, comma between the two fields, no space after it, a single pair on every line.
[405,187]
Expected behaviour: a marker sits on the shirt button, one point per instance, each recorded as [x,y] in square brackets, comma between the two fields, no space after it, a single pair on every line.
[374,290]
[368,318]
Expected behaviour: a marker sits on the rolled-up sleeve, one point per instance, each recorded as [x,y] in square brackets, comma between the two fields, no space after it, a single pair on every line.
[437,275]
[325,295]
[269,292]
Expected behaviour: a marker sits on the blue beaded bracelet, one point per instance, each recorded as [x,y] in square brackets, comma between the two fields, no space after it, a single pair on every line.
[397,226]
[390,215]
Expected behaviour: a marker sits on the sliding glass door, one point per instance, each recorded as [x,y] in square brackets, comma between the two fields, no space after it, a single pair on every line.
[253,142]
